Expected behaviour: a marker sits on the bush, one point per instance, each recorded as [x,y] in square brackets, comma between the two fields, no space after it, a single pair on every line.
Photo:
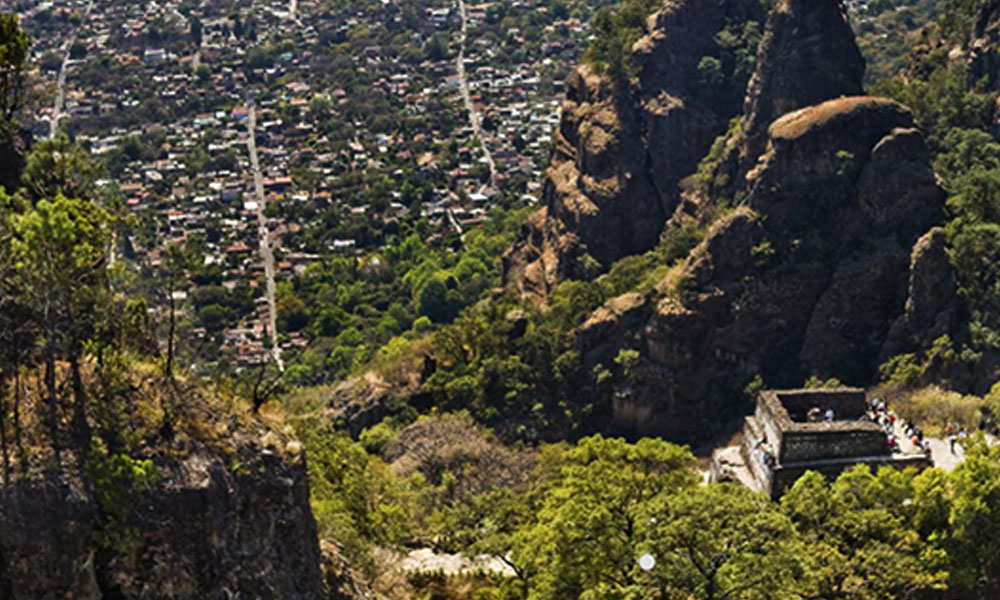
[615,32]
[933,408]
[903,370]
[378,437]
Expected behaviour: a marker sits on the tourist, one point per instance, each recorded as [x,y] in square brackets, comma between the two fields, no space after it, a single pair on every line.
[829,414]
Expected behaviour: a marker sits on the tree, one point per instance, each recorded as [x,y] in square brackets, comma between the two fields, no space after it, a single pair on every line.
[615,32]
[433,300]
[196,31]
[57,167]
[60,250]
[973,528]
[78,51]
[593,517]
[293,314]
[17,336]
[14,44]
[237,25]
[721,542]
[175,266]
[436,48]
[860,536]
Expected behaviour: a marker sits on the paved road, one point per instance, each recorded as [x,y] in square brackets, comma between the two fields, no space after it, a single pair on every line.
[941,452]
[454,222]
[474,117]
[57,109]
[265,237]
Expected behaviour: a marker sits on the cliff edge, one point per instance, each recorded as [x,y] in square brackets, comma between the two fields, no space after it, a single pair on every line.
[213,505]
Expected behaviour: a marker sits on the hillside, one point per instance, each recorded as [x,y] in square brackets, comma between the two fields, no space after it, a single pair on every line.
[520,406]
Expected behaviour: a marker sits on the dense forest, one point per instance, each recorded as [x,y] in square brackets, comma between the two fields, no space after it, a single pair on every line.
[486,444]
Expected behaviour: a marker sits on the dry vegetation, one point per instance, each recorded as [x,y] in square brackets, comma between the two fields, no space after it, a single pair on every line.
[795,125]
[453,443]
[145,414]
[932,408]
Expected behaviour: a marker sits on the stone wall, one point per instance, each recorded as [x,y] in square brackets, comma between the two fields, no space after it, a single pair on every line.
[866,440]
[847,403]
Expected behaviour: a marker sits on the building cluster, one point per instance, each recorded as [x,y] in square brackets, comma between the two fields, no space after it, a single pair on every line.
[161,91]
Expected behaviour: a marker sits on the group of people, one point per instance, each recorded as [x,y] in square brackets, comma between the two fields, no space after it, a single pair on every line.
[954,433]
[880,412]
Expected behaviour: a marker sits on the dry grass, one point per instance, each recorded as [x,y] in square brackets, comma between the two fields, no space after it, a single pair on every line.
[800,122]
[933,408]
[145,413]
[435,445]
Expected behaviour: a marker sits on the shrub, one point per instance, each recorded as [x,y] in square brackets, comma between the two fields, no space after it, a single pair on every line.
[902,370]
[932,408]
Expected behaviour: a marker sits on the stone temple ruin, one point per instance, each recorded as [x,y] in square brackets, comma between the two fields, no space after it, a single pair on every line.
[794,431]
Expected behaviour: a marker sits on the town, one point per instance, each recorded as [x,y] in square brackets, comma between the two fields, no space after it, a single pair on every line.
[360,126]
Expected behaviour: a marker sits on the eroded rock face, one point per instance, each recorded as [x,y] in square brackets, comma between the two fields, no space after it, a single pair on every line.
[931,306]
[618,159]
[807,56]
[984,50]
[207,529]
[805,277]
[984,55]
[618,155]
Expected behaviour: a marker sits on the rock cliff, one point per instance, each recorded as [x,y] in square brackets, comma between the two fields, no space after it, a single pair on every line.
[984,55]
[223,519]
[808,56]
[984,49]
[805,277]
[619,154]
[820,258]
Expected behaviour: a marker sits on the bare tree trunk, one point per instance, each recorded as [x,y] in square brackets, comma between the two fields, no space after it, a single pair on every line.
[17,414]
[81,429]
[3,431]
[50,387]
[169,368]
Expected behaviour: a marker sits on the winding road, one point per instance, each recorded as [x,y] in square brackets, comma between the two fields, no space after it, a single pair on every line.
[265,236]
[475,119]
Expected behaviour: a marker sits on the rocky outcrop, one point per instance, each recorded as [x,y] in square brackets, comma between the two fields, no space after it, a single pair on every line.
[808,55]
[216,524]
[619,160]
[805,277]
[984,49]
[984,55]
[619,154]
[931,307]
